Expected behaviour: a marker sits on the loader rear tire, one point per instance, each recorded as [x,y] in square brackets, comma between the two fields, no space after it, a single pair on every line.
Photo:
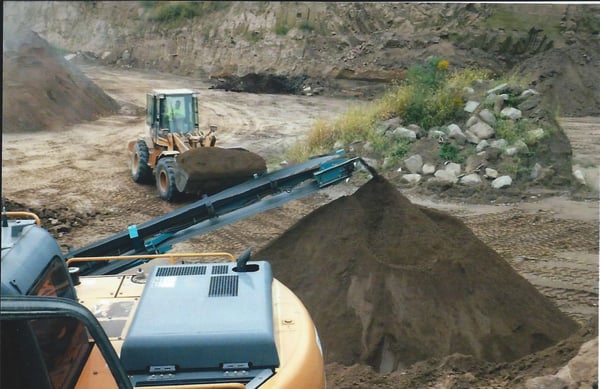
[140,170]
[165,179]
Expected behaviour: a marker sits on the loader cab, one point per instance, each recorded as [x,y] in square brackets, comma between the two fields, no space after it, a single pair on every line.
[172,111]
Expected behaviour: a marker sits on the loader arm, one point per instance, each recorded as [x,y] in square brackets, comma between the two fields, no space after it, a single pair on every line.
[179,143]
[212,212]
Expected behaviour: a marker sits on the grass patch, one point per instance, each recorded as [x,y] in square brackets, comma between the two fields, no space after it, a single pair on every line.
[513,131]
[282,29]
[523,17]
[432,95]
[173,12]
[450,152]
[306,26]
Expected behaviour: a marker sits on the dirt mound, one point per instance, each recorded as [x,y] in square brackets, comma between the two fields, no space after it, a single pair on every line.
[42,91]
[212,169]
[567,78]
[58,221]
[389,284]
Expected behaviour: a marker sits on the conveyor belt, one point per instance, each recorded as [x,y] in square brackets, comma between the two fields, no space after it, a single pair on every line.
[216,211]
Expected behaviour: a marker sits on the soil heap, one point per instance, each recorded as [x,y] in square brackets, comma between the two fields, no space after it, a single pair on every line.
[389,283]
[213,169]
[42,91]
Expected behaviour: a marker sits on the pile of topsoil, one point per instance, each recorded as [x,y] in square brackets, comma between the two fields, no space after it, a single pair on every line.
[213,169]
[389,283]
[42,91]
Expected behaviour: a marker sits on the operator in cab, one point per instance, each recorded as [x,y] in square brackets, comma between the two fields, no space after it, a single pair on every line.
[177,119]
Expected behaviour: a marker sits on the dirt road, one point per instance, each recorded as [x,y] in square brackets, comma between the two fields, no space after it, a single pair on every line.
[552,242]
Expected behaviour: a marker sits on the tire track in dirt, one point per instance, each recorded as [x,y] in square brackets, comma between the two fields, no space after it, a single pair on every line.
[558,256]
[584,135]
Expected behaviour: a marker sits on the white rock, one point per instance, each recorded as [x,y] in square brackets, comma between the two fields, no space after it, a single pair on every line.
[471,179]
[579,176]
[502,182]
[454,129]
[546,382]
[482,145]
[491,173]
[487,116]
[453,168]
[529,92]
[498,88]
[445,176]
[428,168]
[510,112]
[414,163]
[482,130]
[536,171]
[471,106]
[436,134]
[472,138]
[472,120]
[536,134]
[412,178]
[499,144]
[580,372]
[404,133]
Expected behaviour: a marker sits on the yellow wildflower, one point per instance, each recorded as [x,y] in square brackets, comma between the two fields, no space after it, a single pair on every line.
[443,65]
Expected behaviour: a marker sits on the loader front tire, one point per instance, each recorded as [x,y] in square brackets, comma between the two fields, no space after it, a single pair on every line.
[140,170]
[165,179]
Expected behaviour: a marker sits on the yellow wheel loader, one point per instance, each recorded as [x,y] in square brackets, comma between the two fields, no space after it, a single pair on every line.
[173,132]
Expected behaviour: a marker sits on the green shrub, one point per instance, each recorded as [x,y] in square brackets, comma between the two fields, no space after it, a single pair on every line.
[306,26]
[430,75]
[172,12]
[282,29]
[450,152]
[513,131]
[399,148]
[429,96]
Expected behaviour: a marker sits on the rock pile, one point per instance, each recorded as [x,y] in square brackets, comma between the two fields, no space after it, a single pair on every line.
[507,138]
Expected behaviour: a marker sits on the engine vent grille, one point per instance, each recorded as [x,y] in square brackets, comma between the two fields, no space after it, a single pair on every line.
[181,271]
[223,286]
[220,269]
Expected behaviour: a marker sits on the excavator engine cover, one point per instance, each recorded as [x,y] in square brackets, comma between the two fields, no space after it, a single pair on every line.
[200,323]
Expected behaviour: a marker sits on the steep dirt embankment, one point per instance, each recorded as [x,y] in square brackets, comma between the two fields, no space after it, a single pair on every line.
[336,45]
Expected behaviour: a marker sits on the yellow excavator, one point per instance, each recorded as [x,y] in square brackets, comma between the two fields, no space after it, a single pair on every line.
[105,316]
[181,158]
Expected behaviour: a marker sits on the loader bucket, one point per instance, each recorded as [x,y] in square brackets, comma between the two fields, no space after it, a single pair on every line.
[209,170]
